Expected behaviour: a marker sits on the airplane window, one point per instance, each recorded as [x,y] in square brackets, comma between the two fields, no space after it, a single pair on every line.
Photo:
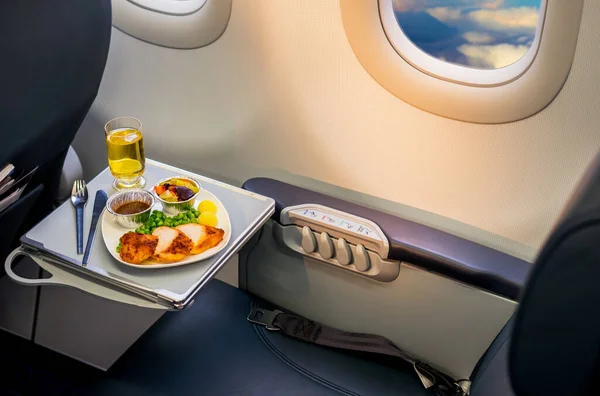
[172,7]
[483,61]
[483,34]
[474,42]
[184,24]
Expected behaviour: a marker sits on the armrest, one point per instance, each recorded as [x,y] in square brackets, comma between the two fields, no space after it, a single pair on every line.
[420,245]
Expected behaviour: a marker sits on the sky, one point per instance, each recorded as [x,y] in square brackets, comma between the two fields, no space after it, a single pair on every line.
[484,34]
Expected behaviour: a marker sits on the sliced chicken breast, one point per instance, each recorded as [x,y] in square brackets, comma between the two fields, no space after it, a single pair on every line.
[136,248]
[203,237]
[173,245]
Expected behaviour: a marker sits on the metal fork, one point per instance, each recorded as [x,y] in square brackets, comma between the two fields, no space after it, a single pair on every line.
[79,197]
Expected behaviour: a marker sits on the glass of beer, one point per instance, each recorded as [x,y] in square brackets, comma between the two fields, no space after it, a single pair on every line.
[125,145]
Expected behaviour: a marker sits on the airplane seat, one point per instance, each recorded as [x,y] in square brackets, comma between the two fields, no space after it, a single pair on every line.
[550,347]
[212,349]
[556,336]
[54,55]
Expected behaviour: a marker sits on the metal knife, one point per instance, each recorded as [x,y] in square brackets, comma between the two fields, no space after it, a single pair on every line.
[99,204]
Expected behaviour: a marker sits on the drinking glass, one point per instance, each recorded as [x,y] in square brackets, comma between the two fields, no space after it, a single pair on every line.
[125,145]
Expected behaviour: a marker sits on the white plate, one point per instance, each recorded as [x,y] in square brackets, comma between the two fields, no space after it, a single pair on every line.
[112,232]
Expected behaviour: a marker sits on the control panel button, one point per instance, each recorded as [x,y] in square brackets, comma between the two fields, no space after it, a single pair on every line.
[325,246]
[362,262]
[309,242]
[343,252]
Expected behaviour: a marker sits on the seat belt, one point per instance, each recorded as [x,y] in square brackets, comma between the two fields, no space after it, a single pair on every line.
[315,333]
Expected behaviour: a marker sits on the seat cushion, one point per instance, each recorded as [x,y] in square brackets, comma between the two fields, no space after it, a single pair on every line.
[212,349]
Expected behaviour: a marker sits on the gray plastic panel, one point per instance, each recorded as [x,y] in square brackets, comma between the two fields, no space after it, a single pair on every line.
[174,287]
[441,321]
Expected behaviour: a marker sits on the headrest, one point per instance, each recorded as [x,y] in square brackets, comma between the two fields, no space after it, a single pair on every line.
[555,346]
[53,57]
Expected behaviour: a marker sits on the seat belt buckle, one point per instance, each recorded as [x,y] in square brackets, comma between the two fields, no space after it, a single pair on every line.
[263,317]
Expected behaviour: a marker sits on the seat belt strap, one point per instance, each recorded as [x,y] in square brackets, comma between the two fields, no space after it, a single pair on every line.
[315,333]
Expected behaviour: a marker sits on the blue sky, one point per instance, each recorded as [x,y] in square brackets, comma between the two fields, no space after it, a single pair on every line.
[483,34]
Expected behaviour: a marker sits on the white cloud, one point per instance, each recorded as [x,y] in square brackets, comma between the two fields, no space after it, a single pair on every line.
[507,18]
[493,5]
[523,39]
[408,5]
[493,56]
[420,5]
[478,37]
[445,14]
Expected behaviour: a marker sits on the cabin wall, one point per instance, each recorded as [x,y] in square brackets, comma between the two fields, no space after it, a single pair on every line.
[281,94]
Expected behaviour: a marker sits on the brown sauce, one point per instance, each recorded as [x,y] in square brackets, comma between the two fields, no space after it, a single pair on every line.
[132,207]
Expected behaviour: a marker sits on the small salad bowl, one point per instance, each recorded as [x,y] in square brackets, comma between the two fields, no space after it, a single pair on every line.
[135,218]
[178,196]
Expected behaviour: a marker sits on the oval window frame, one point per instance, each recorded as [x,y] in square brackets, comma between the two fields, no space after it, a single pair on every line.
[173,24]
[171,7]
[521,94]
[428,64]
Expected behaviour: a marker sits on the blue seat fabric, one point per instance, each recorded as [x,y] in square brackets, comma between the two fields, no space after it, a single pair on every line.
[211,349]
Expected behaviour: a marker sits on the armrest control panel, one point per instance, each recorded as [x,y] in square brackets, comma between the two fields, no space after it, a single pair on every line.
[346,241]
[352,228]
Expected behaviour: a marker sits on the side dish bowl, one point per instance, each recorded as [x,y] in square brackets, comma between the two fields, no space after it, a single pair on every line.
[175,207]
[137,218]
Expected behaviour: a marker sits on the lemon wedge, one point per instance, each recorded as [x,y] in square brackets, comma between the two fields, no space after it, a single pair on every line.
[207,206]
[208,219]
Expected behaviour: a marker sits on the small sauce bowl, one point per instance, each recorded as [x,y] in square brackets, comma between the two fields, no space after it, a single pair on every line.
[133,220]
[174,208]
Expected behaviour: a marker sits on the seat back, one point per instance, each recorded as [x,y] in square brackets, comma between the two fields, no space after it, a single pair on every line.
[54,55]
[554,348]
[556,337]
